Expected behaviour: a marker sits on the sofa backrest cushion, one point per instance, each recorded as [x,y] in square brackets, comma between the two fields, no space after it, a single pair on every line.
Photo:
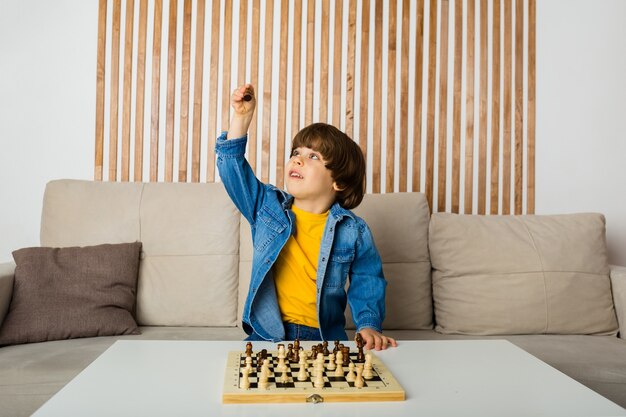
[399,224]
[190,235]
[521,274]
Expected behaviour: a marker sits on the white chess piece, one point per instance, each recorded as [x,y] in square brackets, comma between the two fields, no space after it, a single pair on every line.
[359,382]
[284,378]
[245,379]
[339,363]
[319,376]
[331,362]
[367,369]
[350,375]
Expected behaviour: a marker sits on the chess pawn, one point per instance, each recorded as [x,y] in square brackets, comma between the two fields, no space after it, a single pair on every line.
[289,351]
[358,381]
[367,369]
[346,355]
[245,379]
[331,362]
[325,347]
[303,375]
[350,376]
[336,348]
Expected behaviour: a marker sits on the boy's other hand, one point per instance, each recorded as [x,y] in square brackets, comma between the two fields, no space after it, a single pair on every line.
[375,340]
[243,100]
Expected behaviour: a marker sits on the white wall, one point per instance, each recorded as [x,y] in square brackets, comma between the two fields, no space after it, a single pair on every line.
[47,102]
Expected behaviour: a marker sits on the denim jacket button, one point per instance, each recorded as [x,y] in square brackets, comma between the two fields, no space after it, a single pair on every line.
[323,259]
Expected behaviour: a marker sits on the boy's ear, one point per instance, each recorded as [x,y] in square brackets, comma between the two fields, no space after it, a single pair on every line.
[337,188]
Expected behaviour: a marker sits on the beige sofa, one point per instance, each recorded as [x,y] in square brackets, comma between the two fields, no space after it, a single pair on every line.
[533,280]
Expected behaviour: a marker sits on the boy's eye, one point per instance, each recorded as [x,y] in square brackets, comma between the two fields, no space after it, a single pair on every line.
[314,156]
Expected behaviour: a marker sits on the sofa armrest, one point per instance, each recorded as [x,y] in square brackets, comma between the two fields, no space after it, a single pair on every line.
[618,284]
[6,288]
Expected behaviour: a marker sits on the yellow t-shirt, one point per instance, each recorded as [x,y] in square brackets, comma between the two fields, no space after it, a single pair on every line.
[295,270]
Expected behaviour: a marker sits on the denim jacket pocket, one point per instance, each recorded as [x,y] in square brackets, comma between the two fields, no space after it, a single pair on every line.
[338,267]
[268,226]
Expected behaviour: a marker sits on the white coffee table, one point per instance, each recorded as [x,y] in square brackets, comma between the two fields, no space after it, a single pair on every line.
[441,378]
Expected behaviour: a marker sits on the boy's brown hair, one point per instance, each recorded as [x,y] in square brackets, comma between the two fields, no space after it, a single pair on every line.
[343,158]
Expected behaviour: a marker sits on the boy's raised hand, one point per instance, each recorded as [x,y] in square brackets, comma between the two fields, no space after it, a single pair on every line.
[243,100]
[375,340]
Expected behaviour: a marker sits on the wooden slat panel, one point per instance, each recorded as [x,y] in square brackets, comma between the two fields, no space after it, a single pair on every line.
[337,63]
[267,92]
[456,118]
[443,108]
[226,66]
[378,95]
[495,110]
[417,134]
[295,85]
[391,99]
[519,102]
[197,92]
[184,96]
[364,87]
[324,49]
[506,111]
[171,92]
[141,89]
[351,70]
[532,48]
[282,94]
[430,116]
[156,88]
[482,112]
[469,110]
[243,38]
[128,73]
[404,97]
[212,107]
[254,78]
[310,57]
[100,73]
[115,85]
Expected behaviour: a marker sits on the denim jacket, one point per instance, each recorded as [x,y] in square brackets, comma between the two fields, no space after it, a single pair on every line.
[347,249]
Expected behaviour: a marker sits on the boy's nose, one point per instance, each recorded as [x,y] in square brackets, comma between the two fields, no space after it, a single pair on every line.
[298,160]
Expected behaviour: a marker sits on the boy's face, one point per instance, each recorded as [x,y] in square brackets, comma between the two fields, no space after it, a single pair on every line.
[307,177]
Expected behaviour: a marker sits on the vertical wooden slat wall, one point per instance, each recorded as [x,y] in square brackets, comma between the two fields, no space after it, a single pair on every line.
[439,94]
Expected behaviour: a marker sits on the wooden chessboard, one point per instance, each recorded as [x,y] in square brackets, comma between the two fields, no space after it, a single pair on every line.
[382,387]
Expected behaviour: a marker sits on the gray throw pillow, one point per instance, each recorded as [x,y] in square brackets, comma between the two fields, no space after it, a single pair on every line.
[66,293]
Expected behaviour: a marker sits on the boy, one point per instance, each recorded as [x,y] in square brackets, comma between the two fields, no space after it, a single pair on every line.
[307,242]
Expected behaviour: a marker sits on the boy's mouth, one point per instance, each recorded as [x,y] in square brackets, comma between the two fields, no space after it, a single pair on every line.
[295,174]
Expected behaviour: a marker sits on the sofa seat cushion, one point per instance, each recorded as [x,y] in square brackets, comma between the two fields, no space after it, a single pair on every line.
[31,374]
[521,274]
[598,362]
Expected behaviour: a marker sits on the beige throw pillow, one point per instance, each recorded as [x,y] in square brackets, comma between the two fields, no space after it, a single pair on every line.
[65,293]
[521,274]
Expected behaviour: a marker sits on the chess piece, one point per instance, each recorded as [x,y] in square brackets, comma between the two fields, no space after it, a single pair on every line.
[314,351]
[339,363]
[358,381]
[346,355]
[248,349]
[360,357]
[289,351]
[303,375]
[245,379]
[336,348]
[367,369]
[319,376]
[350,376]
[284,378]
[296,350]
[325,348]
[331,362]
[249,362]
[263,382]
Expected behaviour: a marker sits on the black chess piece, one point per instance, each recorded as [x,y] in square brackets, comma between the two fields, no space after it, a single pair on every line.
[325,346]
[336,348]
